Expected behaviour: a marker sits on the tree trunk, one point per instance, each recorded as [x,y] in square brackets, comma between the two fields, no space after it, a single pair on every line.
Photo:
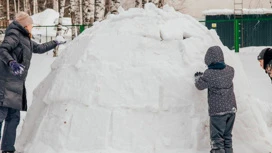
[111,7]
[88,12]
[59,28]
[35,6]
[108,4]
[42,5]
[75,17]
[115,5]
[27,7]
[8,17]
[80,12]
[2,13]
[138,3]
[24,5]
[19,6]
[144,2]
[55,5]
[74,29]
[15,6]
[161,3]
[99,10]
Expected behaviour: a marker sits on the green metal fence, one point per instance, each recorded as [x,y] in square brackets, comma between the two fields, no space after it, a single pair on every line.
[248,30]
[47,33]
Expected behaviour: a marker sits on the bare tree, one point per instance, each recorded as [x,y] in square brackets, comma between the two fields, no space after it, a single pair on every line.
[74,12]
[27,7]
[88,12]
[42,5]
[144,2]
[19,6]
[59,28]
[2,14]
[138,3]
[80,12]
[8,17]
[55,5]
[35,6]
[73,28]
[161,3]
[24,5]
[4,9]
[15,6]
[114,6]
[99,13]
[108,4]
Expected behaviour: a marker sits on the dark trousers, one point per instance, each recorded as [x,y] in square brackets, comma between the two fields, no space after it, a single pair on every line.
[12,119]
[1,129]
[220,133]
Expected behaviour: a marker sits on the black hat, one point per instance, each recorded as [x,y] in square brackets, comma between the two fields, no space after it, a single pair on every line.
[267,57]
[261,54]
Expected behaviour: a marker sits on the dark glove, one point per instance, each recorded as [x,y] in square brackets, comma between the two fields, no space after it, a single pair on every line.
[16,67]
[59,40]
[198,75]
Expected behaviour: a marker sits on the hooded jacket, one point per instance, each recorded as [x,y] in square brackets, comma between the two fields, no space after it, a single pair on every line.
[221,97]
[19,47]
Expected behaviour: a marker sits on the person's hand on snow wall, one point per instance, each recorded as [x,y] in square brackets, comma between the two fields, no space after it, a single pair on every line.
[16,67]
[198,75]
[59,40]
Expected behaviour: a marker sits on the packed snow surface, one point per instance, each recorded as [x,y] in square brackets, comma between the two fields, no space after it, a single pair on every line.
[44,24]
[231,11]
[126,86]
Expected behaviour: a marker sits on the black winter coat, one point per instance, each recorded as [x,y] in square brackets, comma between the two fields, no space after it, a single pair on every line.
[17,46]
[221,97]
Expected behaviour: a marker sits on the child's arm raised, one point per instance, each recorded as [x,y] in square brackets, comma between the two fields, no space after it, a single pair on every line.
[201,83]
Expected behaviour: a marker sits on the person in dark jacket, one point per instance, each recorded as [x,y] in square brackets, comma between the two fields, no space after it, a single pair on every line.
[265,59]
[15,55]
[221,99]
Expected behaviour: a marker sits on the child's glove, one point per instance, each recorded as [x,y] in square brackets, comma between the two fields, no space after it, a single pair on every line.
[16,67]
[198,75]
[59,40]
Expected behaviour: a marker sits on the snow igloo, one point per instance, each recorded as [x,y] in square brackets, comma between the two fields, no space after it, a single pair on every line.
[126,85]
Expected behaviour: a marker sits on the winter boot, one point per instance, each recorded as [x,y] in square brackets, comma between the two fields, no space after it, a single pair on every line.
[218,151]
[8,151]
[228,150]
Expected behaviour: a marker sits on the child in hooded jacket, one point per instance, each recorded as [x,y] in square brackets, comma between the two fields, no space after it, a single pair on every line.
[218,79]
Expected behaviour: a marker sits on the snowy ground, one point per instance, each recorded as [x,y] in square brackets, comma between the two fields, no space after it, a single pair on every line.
[259,83]
[39,69]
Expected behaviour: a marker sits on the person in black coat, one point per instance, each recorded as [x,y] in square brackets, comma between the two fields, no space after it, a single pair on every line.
[265,59]
[15,55]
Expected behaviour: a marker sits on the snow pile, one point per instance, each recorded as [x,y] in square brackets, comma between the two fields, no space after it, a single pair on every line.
[126,86]
[231,11]
[49,18]
[45,18]
[260,83]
